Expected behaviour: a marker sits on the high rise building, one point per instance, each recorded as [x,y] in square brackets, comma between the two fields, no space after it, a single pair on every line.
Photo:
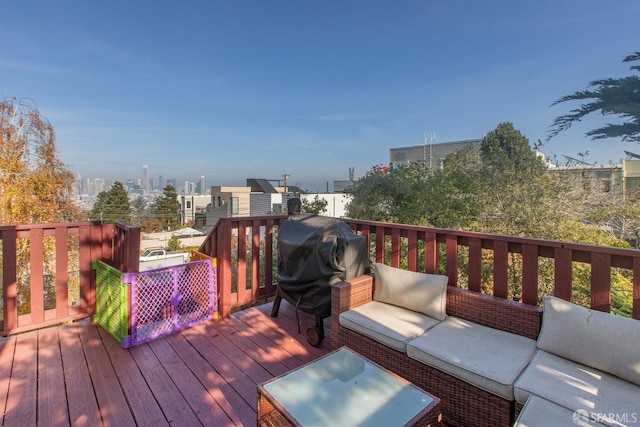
[189,187]
[145,177]
[203,188]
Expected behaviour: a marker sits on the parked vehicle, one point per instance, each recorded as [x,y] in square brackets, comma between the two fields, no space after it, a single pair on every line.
[158,258]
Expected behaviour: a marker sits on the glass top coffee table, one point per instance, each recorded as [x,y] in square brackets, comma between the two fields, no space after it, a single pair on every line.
[344,389]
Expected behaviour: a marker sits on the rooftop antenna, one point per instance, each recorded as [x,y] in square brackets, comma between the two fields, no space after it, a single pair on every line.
[632,155]
[432,136]
[573,160]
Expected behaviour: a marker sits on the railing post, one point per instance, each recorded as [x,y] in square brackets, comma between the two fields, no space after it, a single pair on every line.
[241,274]
[36,275]
[530,274]
[10,294]
[430,253]
[127,247]
[562,273]
[380,244]
[268,255]
[451,262]
[255,257]
[500,268]
[223,254]
[475,264]
[62,272]
[601,282]
[395,247]
[412,250]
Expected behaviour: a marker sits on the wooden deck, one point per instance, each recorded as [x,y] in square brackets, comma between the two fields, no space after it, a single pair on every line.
[206,375]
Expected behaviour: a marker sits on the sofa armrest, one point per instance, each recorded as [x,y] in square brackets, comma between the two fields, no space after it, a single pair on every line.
[346,296]
[351,293]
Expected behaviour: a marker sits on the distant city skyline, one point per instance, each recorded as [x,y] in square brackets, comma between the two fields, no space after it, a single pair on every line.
[97,184]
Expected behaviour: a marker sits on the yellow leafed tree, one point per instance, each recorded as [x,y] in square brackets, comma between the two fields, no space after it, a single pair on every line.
[35,185]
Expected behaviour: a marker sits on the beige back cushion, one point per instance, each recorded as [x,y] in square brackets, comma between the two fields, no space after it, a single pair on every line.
[601,340]
[424,293]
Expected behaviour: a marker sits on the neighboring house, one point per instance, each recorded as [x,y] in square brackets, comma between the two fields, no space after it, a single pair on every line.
[616,177]
[602,178]
[190,205]
[631,174]
[259,198]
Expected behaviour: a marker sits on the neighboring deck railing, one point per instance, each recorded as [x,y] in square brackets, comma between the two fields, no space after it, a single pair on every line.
[46,270]
[247,267]
[47,276]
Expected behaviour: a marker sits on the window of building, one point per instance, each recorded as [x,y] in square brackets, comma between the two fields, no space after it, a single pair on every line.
[188,204]
[235,205]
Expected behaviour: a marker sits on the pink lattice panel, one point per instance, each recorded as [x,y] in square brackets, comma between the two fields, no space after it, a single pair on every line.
[169,299]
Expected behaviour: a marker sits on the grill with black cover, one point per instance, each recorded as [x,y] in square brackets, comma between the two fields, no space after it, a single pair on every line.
[314,252]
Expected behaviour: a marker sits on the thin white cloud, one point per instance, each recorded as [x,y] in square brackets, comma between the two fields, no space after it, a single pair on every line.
[32,67]
[344,117]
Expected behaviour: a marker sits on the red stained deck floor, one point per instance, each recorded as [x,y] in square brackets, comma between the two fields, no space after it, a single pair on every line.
[206,375]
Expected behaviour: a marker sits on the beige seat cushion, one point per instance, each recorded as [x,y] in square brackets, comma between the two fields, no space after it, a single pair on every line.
[484,357]
[539,412]
[603,341]
[578,387]
[421,292]
[387,324]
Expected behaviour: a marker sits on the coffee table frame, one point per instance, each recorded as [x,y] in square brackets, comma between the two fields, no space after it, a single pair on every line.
[271,413]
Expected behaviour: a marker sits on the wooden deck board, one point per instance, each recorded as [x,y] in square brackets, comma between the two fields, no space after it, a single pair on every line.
[81,400]
[7,351]
[206,375]
[22,397]
[109,395]
[143,404]
[52,405]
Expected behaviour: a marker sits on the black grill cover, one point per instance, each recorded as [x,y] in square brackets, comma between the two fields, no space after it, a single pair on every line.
[314,252]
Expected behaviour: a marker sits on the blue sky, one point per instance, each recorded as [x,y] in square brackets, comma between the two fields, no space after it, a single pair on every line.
[239,89]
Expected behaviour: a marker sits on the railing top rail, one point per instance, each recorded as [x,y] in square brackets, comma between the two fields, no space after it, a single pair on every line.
[22,227]
[505,238]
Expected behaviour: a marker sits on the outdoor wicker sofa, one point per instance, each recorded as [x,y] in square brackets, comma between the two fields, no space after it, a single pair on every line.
[464,404]
[470,349]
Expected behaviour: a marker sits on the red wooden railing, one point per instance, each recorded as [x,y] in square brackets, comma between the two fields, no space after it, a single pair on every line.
[43,265]
[46,270]
[247,266]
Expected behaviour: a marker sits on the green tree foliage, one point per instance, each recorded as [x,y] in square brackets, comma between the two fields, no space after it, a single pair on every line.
[174,244]
[112,205]
[620,217]
[391,195]
[502,187]
[619,97]
[452,198]
[139,211]
[35,186]
[166,208]
[317,206]
[515,190]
